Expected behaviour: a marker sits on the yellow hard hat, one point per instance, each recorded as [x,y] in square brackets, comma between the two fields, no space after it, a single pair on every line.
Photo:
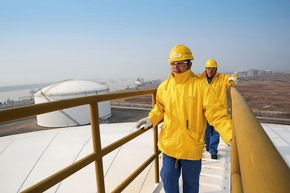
[211,63]
[180,52]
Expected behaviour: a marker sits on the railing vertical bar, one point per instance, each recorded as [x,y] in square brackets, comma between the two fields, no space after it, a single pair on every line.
[96,137]
[155,140]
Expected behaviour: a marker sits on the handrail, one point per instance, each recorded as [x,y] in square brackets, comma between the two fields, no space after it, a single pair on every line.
[256,165]
[31,110]
[99,152]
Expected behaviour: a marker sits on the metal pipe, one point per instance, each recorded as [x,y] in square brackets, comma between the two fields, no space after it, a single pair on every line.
[130,178]
[61,175]
[155,140]
[236,184]
[96,138]
[262,167]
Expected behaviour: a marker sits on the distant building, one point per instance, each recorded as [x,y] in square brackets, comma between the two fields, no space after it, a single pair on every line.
[141,83]
[261,72]
[252,73]
[241,73]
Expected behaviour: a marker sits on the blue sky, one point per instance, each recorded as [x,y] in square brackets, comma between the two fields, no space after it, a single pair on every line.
[53,40]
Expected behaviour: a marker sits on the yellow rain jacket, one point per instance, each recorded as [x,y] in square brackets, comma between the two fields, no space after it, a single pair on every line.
[185,102]
[219,84]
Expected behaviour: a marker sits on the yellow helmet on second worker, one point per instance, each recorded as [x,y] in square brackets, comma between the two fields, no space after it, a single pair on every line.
[211,63]
[180,52]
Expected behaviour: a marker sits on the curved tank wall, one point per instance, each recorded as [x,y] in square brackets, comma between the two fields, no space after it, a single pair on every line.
[72,116]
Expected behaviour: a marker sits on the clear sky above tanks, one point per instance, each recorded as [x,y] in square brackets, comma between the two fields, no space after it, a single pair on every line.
[49,41]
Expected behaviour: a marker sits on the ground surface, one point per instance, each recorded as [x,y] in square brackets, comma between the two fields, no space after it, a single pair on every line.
[268,93]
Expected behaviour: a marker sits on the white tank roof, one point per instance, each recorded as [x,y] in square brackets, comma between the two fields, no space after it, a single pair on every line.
[68,87]
[71,116]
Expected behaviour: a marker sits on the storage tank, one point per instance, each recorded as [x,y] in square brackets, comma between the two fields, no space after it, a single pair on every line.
[73,116]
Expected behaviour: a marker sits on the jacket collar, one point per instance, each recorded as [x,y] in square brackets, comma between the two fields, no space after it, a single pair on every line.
[204,74]
[180,78]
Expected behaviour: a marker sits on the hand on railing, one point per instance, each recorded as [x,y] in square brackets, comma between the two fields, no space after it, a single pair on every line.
[233,77]
[144,123]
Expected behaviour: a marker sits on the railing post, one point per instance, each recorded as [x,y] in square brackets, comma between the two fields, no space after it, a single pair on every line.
[96,138]
[155,140]
[156,152]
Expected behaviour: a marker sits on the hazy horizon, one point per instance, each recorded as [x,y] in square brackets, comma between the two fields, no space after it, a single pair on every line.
[51,41]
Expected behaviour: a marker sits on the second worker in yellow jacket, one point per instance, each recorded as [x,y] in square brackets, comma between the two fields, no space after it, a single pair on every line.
[219,83]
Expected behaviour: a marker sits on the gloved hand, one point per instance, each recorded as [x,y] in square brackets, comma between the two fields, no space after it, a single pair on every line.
[233,77]
[145,121]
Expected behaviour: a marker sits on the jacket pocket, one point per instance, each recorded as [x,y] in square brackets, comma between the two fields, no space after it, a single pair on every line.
[195,136]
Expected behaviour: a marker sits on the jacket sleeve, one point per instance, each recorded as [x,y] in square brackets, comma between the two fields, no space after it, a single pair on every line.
[157,113]
[216,114]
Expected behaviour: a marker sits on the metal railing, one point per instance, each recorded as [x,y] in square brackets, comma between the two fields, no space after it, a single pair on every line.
[98,151]
[256,165]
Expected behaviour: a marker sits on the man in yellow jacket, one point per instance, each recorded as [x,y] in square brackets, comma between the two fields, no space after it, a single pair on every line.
[219,83]
[184,102]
